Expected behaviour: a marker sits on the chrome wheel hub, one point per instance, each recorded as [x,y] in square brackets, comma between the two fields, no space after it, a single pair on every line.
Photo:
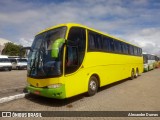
[93,85]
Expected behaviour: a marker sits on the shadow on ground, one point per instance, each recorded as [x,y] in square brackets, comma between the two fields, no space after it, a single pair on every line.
[113,84]
[54,102]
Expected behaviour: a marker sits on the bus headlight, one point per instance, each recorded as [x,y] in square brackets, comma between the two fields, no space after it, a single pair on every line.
[145,66]
[55,85]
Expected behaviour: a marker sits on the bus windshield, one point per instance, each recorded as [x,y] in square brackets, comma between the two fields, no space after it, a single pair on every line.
[40,62]
[22,60]
[4,60]
[145,59]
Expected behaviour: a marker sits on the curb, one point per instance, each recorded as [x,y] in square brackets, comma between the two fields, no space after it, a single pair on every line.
[14,97]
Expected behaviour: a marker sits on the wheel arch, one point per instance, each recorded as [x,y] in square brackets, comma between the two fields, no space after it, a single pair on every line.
[98,78]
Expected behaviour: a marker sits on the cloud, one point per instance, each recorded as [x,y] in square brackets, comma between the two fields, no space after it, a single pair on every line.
[25,42]
[147,38]
[137,19]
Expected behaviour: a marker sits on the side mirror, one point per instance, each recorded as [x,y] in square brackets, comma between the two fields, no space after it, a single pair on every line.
[56,46]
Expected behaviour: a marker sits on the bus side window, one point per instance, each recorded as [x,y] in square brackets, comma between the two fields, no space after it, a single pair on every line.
[123,48]
[112,45]
[131,50]
[135,50]
[98,40]
[126,48]
[75,54]
[91,42]
[120,47]
[117,46]
[71,59]
[106,45]
[95,41]
[78,36]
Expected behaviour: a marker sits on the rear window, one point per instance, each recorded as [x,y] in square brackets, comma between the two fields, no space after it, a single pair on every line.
[4,60]
[13,60]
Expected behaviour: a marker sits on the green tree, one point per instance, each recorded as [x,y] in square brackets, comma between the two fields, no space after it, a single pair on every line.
[12,49]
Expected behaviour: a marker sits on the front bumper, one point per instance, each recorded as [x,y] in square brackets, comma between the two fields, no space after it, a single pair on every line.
[22,67]
[145,69]
[58,93]
[5,67]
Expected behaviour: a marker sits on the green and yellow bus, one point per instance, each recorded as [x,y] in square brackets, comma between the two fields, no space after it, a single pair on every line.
[70,59]
[149,61]
[157,62]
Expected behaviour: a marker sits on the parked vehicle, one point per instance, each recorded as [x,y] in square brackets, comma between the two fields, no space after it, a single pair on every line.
[70,59]
[18,63]
[5,63]
[157,61]
[149,62]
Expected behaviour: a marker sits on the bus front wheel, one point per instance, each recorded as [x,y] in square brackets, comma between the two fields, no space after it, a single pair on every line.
[92,86]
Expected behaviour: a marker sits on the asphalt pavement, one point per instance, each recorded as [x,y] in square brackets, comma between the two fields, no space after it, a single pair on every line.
[140,94]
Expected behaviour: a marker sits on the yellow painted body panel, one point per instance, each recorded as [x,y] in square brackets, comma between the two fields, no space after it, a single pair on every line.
[112,67]
[157,64]
[43,82]
[109,67]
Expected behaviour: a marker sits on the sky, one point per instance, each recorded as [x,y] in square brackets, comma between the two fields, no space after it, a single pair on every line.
[135,21]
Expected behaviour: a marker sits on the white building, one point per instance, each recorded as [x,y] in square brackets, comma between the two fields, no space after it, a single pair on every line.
[2,44]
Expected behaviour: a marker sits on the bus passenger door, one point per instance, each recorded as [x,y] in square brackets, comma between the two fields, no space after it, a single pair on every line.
[71,63]
[74,76]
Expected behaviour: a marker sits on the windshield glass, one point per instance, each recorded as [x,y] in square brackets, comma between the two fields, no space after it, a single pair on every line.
[13,60]
[145,58]
[4,60]
[22,60]
[40,62]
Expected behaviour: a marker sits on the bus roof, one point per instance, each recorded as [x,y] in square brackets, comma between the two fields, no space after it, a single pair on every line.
[3,56]
[148,54]
[79,25]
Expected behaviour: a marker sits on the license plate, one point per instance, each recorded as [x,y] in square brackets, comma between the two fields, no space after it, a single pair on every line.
[36,92]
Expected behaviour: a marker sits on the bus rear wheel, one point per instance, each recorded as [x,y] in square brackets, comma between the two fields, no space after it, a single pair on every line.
[92,86]
[132,74]
[137,73]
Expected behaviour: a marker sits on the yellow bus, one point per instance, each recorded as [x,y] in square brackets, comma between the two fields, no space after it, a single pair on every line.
[70,59]
[157,64]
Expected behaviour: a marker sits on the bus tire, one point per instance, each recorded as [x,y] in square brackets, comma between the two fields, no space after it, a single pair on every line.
[92,86]
[132,74]
[137,73]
